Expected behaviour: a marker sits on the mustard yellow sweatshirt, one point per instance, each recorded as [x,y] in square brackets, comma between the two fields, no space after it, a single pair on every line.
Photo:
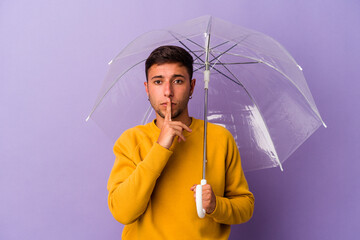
[149,186]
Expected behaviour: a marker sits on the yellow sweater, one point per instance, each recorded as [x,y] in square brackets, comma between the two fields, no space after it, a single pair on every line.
[149,186]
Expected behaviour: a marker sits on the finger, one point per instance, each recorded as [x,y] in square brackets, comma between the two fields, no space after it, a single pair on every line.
[168,110]
[180,136]
[206,187]
[185,127]
[177,130]
[181,125]
[206,197]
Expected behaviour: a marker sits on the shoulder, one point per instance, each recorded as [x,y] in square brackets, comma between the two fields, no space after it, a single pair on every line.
[141,130]
[216,131]
[219,131]
[221,136]
[134,136]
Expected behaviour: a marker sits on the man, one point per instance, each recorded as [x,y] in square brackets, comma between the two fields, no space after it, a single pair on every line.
[158,163]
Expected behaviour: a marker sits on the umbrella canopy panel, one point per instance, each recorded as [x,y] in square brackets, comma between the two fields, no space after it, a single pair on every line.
[257,91]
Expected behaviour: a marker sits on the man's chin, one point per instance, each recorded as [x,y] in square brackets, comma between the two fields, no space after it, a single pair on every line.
[173,116]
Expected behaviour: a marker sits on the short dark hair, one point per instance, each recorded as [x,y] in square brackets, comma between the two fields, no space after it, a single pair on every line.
[170,54]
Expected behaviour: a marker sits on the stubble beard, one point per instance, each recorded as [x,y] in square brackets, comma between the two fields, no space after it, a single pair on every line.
[181,107]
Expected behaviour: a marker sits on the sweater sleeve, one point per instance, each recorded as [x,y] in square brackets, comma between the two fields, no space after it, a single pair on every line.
[131,184]
[237,204]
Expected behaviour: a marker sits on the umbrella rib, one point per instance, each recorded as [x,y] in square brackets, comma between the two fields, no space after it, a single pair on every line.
[202,67]
[111,86]
[194,43]
[235,81]
[147,115]
[218,59]
[197,57]
[219,45]
[223,64]
[226,51]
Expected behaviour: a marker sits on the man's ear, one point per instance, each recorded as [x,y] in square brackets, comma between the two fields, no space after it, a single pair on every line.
[146,88]
[192,86]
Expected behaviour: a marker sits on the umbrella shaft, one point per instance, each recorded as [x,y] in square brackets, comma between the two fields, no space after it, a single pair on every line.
[205,131]
[206,87]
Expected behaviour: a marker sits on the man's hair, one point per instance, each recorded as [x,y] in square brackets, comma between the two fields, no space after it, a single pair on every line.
[170,54]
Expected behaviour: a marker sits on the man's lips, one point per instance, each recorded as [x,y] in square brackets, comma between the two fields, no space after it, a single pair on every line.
[165,104]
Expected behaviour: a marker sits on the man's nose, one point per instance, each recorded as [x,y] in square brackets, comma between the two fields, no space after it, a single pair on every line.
[168,91]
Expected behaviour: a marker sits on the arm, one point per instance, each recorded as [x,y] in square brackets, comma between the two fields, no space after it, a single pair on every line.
[237,204]
[131,181]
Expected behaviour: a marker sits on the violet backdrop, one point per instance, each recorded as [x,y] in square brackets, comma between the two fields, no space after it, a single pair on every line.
[54,166]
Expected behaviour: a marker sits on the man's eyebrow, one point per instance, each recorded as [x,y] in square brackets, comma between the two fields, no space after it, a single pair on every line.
[157,76]
[173,76]
[178,75]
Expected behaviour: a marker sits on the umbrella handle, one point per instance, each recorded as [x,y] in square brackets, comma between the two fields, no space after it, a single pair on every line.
[199,207]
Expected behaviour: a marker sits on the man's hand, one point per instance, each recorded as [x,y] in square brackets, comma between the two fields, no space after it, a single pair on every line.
[208,198]
[171,129]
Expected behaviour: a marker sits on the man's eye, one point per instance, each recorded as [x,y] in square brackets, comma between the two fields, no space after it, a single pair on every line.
[178,81]
[157,82]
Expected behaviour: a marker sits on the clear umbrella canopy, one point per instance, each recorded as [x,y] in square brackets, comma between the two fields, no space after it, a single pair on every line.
[257,90]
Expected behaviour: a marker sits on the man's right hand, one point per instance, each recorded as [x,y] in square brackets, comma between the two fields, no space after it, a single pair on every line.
[171,129]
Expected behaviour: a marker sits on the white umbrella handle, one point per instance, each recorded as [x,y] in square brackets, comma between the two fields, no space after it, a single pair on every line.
[199,207]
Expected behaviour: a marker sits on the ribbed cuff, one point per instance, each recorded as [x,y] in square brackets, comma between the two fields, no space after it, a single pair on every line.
[216,214]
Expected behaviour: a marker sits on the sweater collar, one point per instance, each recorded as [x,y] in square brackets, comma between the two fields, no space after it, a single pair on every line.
[194,126]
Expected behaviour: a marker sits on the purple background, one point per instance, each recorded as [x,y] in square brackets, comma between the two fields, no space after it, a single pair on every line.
[54,166]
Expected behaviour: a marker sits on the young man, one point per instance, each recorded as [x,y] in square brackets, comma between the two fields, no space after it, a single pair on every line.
[157,164]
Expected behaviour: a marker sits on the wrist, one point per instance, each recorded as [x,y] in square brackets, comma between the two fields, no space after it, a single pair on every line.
[164,145]
[212,206]
[210,211]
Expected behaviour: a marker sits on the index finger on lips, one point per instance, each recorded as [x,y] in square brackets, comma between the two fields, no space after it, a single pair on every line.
[168,110]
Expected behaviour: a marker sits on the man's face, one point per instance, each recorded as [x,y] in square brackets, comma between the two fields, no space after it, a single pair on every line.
[169,80]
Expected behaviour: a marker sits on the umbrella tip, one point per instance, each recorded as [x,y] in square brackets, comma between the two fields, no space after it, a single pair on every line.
[324,125]
[87,119]
[110,62]
[300,67]
[281,168]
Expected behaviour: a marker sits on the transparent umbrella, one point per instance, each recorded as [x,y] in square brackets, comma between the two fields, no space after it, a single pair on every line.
[254,87]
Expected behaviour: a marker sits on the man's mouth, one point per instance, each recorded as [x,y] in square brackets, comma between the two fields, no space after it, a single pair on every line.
[165,104]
